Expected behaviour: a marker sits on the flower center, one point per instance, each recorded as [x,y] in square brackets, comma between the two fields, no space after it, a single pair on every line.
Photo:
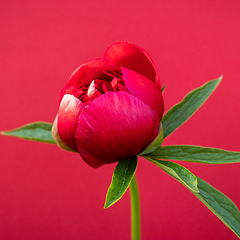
[99,87]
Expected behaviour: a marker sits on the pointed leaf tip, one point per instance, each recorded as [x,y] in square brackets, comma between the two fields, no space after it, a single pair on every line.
[163,88]
[220,205]
[36,131]
[198,154]
[182,111]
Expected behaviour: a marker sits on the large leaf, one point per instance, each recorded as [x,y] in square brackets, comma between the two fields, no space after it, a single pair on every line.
[220,205]
[216,201]
[122,177]
[37,131]
[181,112]
[178,172]
[196,154]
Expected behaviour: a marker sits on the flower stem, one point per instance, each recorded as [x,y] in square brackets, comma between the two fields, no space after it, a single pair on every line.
[135,210]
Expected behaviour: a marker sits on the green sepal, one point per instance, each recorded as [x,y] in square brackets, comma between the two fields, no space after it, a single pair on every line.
[178,172]
[182,111]
[196,154]
[155,144]
[121,179]
[36,131]
[220,205]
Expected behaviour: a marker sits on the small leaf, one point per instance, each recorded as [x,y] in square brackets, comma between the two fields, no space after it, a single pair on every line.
[220,205]
[163,88]
[155,144]
[122,177]
[37,131]
[181,112]
[178,172]
[196,154]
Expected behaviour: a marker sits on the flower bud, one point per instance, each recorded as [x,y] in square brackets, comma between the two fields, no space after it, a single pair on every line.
[111,108]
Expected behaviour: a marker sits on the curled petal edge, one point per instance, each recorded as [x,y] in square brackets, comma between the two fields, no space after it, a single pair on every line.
[57,138]
[128,55]
[69,111]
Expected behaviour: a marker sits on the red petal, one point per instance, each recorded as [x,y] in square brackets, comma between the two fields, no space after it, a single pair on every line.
[68,114]
[83,76]
[57,138]
[130,56]
[114,127]
[144,89]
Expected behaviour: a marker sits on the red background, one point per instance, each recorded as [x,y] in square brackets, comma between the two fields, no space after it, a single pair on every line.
[47,193]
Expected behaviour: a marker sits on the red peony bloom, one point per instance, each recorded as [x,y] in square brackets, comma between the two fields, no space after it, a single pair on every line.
[110,109]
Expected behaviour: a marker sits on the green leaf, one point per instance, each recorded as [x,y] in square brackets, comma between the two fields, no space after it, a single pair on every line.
[178,172]
[181,112]
[216,201]
[196,154]
[163,88]
[220,205]
[37,131]
[155,144]
[122,177]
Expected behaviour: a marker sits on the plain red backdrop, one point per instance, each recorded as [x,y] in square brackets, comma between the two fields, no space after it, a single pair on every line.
[47,193]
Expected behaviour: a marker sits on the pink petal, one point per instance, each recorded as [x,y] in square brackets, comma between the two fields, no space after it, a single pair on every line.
[68,114]
[144,89]
[130,56]
[114,127]
[91,93]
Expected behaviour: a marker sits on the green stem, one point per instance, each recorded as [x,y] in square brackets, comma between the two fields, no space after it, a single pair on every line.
[135,210]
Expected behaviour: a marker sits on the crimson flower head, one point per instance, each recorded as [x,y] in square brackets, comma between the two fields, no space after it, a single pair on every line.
[111,107]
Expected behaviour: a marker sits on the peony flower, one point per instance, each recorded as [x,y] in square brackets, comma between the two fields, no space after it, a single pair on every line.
[111,108]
